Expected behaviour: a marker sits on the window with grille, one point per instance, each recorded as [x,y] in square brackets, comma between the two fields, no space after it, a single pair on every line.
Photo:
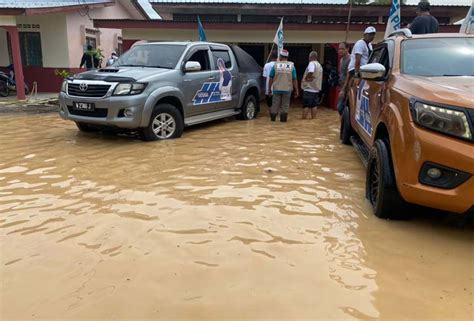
[30,46]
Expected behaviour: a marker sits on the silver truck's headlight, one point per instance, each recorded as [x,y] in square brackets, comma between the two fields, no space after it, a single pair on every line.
[64,86]
[129,89]
[442,119]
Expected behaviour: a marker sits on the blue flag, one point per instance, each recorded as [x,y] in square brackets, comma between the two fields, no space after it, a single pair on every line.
[202,34]
[278,40]
[393,23]
[468,23]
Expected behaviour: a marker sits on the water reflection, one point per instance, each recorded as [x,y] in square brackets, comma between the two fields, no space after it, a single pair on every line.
[248,219]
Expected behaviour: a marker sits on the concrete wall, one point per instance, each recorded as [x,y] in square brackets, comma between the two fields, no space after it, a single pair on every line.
[247,36]
[76,24]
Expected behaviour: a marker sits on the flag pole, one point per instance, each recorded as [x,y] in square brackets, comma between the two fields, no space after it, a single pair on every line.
[348,20]
[270,53]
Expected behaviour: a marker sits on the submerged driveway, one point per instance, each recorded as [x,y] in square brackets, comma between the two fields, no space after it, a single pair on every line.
[234,221]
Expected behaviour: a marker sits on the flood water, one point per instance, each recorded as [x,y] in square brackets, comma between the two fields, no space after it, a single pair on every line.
[234,221]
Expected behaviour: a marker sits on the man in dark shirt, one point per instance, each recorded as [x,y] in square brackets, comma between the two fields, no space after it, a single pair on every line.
[343,69]
[424,22]
[90,58]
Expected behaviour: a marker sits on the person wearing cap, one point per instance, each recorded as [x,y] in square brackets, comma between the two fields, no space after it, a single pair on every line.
[424,22]
[311,85]
[282,81]
[359,57]
[361,51]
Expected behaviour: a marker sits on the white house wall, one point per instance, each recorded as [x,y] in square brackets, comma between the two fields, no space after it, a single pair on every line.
[7,21]
[52,28]
[4,59]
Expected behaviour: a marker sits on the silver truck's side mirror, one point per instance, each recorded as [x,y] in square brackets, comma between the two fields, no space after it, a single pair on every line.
[372,71]
[191,66]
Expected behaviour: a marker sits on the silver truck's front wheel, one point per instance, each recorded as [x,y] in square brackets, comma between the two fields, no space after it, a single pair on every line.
[249,109]
[165,122]
[164,125]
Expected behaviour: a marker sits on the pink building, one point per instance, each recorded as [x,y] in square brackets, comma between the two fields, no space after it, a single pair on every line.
[41,37]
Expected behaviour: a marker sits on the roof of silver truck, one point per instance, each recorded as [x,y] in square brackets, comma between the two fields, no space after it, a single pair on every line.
[182,43]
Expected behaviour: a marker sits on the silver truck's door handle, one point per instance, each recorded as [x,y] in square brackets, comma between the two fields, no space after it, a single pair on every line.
[212,78]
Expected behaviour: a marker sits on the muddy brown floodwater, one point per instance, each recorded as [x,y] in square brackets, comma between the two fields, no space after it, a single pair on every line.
[233,221]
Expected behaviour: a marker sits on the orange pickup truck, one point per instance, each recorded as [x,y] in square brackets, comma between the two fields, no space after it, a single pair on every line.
[410,116]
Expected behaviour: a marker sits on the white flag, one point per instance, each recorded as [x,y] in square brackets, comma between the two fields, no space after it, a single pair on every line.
[468,23]
[393,23]
[278,40]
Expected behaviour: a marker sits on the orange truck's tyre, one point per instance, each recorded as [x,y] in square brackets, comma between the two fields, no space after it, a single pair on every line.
[346,131]
[381,188]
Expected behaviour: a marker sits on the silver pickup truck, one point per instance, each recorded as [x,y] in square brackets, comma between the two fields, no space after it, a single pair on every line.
[157,89]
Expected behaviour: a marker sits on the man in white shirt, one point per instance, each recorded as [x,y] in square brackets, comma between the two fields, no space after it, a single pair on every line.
[311,85]
[266,73]
[360,56]
[361,51]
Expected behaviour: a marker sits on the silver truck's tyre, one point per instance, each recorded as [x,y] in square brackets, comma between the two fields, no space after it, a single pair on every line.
[166,122]
[249,108]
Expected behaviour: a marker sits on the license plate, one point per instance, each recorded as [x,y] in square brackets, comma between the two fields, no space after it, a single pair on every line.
[84,106]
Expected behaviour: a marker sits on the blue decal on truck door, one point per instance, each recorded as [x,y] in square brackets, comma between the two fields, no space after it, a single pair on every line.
[362,114]
[209,93]
[214,92]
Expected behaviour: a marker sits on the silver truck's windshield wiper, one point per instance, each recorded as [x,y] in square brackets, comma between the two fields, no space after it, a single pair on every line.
[144,66]
[129,65]
[157,66]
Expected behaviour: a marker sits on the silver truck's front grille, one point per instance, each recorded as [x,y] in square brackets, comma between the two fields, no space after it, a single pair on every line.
[87,90]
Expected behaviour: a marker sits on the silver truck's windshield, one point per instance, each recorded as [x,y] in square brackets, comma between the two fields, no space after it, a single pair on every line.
[438,57]
[151,55]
